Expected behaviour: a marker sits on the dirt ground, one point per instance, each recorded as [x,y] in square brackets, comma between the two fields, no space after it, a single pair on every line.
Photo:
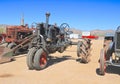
[62,69]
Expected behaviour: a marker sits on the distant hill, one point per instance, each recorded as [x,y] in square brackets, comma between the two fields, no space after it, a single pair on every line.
[76,31]
[97,32]
[2,25]
[102,32]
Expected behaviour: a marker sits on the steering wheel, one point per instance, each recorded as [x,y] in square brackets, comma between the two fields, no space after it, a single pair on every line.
[118,28]
[33,25]
[64,27]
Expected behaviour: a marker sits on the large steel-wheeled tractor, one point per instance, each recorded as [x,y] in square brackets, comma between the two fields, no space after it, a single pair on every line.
[51,38]
[110,54]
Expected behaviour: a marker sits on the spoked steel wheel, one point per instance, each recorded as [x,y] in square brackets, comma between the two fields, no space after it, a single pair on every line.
[64,27]
[102,62]
[1,39]
[40,59]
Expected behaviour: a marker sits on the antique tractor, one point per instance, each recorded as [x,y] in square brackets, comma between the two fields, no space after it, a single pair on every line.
[18,39]
[111,45]
[15,35]
[51,38]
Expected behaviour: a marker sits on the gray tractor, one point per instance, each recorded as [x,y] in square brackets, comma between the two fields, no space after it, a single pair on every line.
[49,39]
[111,45]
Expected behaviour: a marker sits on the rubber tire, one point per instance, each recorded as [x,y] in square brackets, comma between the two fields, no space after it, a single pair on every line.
[11,45]
[78,48]
[30,58]
[102,62]
[84,57]
[37,57]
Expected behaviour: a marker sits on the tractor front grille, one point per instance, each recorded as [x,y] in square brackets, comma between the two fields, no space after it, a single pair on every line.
[118,41]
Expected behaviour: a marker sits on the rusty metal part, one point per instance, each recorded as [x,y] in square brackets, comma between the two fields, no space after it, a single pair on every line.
[17,33]
[2,38]
[6,54]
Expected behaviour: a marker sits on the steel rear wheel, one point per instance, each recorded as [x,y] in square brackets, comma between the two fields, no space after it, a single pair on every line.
[30,58]
[1,39]
[40,59]
[102,62]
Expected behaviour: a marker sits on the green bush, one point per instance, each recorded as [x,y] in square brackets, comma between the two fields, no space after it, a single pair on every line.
[2,30]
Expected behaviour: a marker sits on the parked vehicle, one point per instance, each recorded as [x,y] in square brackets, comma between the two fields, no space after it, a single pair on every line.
[111,45]
[52,38]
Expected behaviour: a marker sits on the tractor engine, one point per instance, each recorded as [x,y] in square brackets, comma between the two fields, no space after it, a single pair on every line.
[117,42]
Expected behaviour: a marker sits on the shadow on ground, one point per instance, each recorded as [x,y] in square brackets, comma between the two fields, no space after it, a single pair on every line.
[11,59]
[110,70]
[54,60]
[5,75]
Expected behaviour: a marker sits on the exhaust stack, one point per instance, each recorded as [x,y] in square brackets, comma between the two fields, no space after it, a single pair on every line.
[47,21]
[22,20]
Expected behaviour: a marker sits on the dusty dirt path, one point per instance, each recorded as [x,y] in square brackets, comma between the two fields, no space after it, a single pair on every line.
[63,69]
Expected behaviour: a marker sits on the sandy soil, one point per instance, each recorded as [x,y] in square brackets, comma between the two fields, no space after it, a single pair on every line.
[62,69]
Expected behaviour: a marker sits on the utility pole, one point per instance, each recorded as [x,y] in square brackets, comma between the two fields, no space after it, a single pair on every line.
[22,20]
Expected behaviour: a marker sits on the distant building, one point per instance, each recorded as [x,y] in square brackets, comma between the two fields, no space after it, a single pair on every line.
[75,36]
[86,33]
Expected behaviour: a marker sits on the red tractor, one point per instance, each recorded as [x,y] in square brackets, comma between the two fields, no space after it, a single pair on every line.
[18,39]
[16,34]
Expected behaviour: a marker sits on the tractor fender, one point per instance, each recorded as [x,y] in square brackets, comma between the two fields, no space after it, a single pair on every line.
[43,47]
[110,51]
[111,46]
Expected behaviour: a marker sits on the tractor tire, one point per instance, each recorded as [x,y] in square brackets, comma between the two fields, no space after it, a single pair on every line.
[40,59]
[102,62]
[30,58]
[79,48]
[11,45]
[85,58]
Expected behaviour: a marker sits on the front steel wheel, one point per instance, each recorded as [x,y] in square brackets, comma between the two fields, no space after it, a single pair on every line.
[102,62]
[40,59]
[30,57]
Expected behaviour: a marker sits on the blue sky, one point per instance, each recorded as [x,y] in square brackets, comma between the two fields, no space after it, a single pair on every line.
[79,14]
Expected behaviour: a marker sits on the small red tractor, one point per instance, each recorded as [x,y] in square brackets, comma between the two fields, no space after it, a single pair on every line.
[17,39]
[16,34]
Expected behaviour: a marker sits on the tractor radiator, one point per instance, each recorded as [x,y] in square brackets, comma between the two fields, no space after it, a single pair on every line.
[118,41]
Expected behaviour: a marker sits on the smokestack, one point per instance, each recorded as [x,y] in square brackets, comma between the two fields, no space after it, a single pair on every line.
[22,20]
[47,21]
